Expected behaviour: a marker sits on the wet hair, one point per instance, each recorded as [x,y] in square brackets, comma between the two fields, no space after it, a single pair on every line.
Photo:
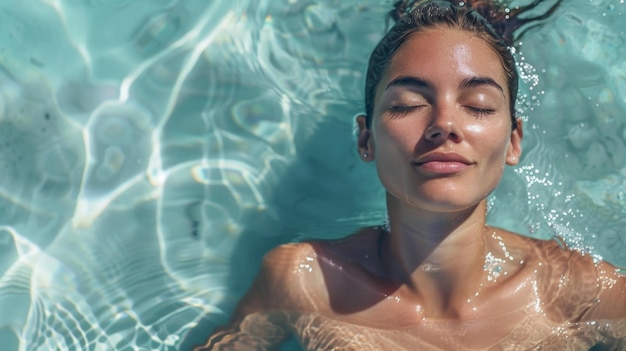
[487,19]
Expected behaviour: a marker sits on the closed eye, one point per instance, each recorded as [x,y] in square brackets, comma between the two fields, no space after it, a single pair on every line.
[402,110]
[480,112]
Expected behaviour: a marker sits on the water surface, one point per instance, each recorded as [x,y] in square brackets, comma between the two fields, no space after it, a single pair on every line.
[152,151]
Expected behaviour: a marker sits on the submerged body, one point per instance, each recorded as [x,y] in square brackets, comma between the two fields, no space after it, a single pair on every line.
[342,295]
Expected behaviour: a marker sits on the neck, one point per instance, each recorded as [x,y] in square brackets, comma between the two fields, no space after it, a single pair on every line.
[439,256]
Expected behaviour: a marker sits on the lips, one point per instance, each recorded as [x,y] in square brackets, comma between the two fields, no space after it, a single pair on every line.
[442,163]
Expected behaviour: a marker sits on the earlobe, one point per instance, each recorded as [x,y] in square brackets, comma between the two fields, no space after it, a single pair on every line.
[364,139]
[514,151]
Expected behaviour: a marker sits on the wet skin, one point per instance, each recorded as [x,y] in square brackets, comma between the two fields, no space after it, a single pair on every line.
[440,278]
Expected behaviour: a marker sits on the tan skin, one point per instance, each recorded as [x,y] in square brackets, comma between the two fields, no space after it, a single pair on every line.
[441,278]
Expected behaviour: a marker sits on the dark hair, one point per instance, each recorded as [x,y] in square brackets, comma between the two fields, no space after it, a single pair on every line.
[414,16]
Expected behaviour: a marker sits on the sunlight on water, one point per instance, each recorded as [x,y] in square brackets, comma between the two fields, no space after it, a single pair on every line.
[152,151]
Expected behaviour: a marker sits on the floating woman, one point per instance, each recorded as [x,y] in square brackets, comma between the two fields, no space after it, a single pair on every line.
[440,125]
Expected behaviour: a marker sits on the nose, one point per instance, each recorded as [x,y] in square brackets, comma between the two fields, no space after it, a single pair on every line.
[443,126]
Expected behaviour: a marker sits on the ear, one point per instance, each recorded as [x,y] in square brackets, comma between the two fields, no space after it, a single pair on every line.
[365,143]
[514,151]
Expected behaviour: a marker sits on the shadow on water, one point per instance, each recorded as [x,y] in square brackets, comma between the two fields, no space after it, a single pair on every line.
[601,347]
[318,196]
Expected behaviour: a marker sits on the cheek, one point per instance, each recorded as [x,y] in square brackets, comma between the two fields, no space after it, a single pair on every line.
[494,138]
[401,134]
[475,129]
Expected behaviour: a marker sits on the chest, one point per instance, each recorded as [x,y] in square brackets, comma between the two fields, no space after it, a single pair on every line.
[317,332]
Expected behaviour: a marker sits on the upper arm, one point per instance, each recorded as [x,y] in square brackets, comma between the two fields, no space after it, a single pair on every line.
[268,287]
[260,318]
[612,296]
[609,313]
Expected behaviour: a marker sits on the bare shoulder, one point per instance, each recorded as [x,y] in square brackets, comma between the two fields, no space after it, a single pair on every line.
[287,257]
[295,276]
[271,288]
[577,285]
[554,253]
[261,319]
[611,299]
[560,264]
[286,272]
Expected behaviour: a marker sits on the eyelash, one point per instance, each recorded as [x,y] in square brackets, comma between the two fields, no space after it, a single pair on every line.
[480,112]
[401,110]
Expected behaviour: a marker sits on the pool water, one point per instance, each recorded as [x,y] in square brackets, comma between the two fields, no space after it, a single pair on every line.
[152,151]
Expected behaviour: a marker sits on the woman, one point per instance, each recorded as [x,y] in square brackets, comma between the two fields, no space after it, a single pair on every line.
[440,125]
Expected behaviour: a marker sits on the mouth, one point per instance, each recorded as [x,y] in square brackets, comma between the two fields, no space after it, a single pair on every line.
[442,163]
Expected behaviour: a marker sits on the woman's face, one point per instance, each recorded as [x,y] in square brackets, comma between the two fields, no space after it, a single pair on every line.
[441,128]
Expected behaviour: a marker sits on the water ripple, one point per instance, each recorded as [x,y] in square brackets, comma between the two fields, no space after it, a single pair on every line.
[150,152]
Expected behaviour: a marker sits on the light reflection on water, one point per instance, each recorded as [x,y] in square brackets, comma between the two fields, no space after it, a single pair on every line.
[152,151]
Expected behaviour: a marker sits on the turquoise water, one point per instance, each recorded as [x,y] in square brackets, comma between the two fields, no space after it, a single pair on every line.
[152,151]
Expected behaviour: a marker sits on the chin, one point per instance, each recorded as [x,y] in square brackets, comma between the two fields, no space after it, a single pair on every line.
[444,207]
[444,201]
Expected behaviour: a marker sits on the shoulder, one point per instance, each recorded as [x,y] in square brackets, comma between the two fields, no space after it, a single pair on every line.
[298,276]
[302,257]
[285,256]
[572,286]
[566,281]
[611,299]
[284,266]
[577,285]
[292,277]
[275,287]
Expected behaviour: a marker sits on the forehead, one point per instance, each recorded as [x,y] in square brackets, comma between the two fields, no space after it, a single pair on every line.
[445,54]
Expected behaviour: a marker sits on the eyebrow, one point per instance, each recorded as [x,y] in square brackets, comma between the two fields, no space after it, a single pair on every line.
[416,83]
[473,82]
[408,82]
